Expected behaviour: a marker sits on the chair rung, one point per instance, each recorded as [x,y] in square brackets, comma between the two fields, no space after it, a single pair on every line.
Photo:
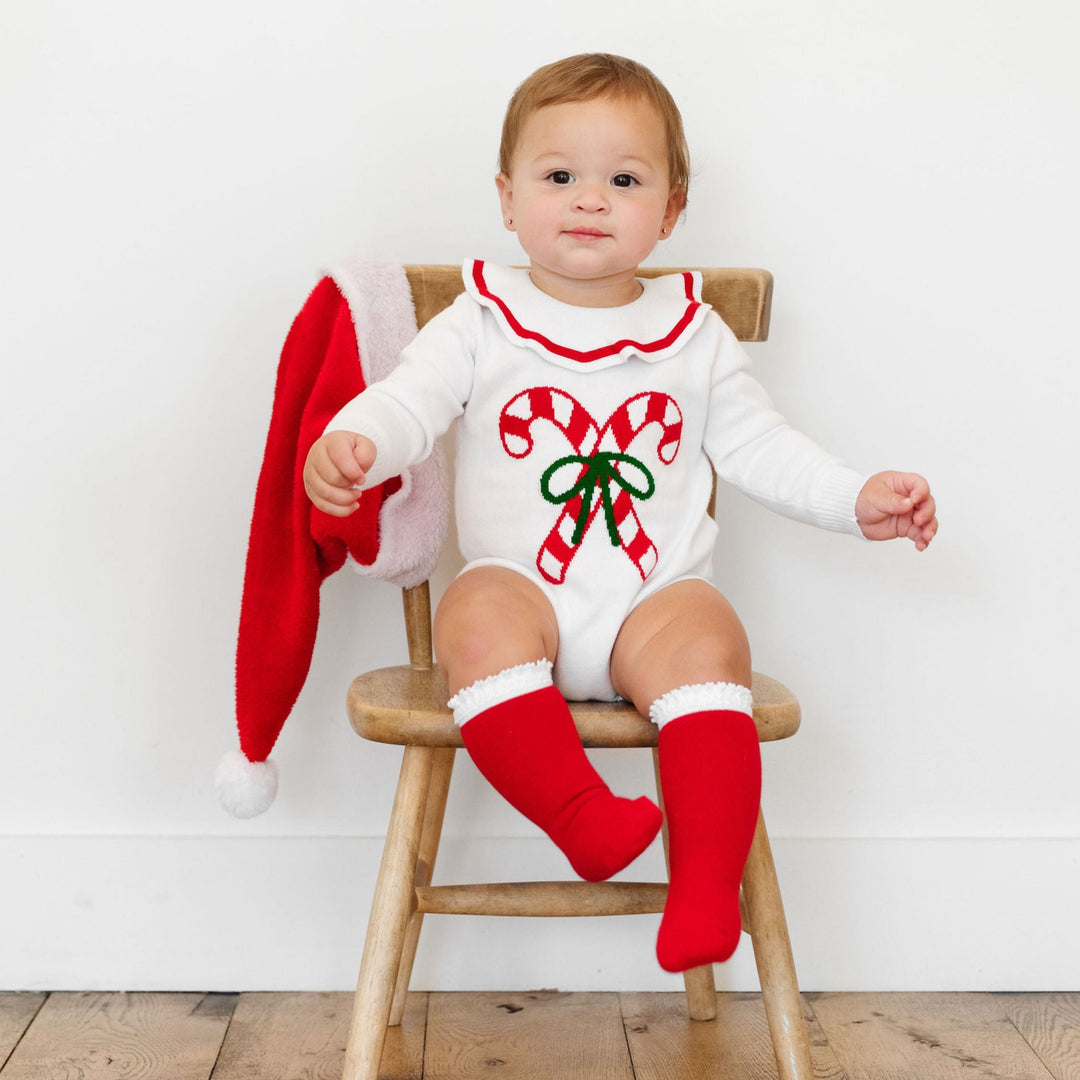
[543,898]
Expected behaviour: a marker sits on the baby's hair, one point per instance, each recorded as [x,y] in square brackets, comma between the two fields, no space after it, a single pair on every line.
[597,75]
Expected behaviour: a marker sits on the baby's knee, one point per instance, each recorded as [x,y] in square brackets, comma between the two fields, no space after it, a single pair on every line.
[708,638]
[486,601]
[487,621]
[714,657]
[688,635]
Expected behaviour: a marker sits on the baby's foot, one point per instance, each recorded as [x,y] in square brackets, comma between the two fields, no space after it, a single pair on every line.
[701,925]
[601,833]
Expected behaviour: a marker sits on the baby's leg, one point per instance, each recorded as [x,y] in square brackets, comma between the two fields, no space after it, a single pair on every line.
[496,635]
[682,657]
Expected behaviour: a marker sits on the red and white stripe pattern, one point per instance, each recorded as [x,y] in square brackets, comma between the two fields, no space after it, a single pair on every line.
[586,438]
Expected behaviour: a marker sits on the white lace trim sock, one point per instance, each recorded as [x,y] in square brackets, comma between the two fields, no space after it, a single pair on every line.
[701,697]
[496,689]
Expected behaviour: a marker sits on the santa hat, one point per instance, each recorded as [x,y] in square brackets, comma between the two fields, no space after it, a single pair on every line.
[348,335]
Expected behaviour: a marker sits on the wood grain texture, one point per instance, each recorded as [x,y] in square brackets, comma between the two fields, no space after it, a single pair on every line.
[301,1036]
[403,705]
[391,908]
[665,1044]
[416,604]
[403,1050]
[146,1036]
[547,899]
[895,1036]
[273,1036]
[764,909]
[1051,1025]
[525,1036]
[16,1012]
[442,768]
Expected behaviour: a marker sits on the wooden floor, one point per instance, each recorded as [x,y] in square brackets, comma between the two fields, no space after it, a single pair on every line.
[544,1035]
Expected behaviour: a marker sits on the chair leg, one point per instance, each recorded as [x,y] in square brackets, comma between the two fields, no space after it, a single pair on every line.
[775,964]
[390,910]
[438,789]
[699,982]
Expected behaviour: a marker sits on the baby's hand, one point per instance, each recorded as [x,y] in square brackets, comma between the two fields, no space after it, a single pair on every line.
[894,504]
[335,469]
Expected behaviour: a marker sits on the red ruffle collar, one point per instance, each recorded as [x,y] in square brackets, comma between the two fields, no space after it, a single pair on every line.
[653,327]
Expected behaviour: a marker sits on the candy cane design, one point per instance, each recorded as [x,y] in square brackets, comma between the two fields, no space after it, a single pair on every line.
[602,459]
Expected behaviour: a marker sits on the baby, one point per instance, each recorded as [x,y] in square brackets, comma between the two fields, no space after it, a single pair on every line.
[593,408]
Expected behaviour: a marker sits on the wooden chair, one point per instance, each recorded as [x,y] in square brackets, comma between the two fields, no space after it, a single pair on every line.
[407,706]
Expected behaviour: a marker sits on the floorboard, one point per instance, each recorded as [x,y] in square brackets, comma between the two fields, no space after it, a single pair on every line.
[1051,1025]
[525,1036]
[535,1036]
[892,1036]
[665,1044]
[16,1012]
[122,1036]
[285,1036]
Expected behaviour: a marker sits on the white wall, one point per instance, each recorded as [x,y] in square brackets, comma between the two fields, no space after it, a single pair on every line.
[174,176]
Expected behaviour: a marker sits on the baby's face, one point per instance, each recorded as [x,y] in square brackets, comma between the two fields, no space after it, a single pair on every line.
[589,196]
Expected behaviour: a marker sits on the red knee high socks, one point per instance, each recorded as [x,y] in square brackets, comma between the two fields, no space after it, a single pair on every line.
[710,774]
[528,749]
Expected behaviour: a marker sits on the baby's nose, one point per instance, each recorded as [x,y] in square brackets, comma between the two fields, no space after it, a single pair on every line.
[591,197]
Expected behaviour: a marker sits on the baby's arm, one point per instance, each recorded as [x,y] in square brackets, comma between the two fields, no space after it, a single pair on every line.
[335,470]
[895,504]
[394,423]
[753,447]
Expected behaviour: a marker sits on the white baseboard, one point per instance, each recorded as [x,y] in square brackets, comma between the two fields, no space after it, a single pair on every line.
[213,913]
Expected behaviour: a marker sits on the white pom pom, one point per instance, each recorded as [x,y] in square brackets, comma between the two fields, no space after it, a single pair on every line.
[245,788]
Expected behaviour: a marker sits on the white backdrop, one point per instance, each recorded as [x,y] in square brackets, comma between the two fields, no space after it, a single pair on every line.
[174,177]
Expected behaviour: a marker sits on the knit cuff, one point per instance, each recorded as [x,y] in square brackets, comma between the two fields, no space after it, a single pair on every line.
[701,697]
[498,689]
[835,495]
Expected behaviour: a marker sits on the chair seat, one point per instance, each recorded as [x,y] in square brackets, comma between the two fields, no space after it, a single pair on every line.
[407,706]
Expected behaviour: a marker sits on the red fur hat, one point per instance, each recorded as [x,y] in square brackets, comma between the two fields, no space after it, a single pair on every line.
[348,335]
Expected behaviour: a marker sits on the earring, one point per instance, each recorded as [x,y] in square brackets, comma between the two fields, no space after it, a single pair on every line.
[509,221]
[665,230]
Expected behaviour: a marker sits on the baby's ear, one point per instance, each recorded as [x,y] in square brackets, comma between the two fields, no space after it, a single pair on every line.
[675,206]
[506,199]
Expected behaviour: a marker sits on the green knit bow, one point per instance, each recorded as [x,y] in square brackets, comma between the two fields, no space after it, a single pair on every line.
[599,471]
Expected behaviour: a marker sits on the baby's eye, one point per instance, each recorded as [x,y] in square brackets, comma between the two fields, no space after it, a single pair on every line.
[623,180]
[560,176]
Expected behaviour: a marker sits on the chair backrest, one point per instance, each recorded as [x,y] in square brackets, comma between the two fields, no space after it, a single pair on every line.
[742,298]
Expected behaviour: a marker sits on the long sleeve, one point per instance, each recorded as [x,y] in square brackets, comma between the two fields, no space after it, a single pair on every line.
[754,448]
[407,411]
